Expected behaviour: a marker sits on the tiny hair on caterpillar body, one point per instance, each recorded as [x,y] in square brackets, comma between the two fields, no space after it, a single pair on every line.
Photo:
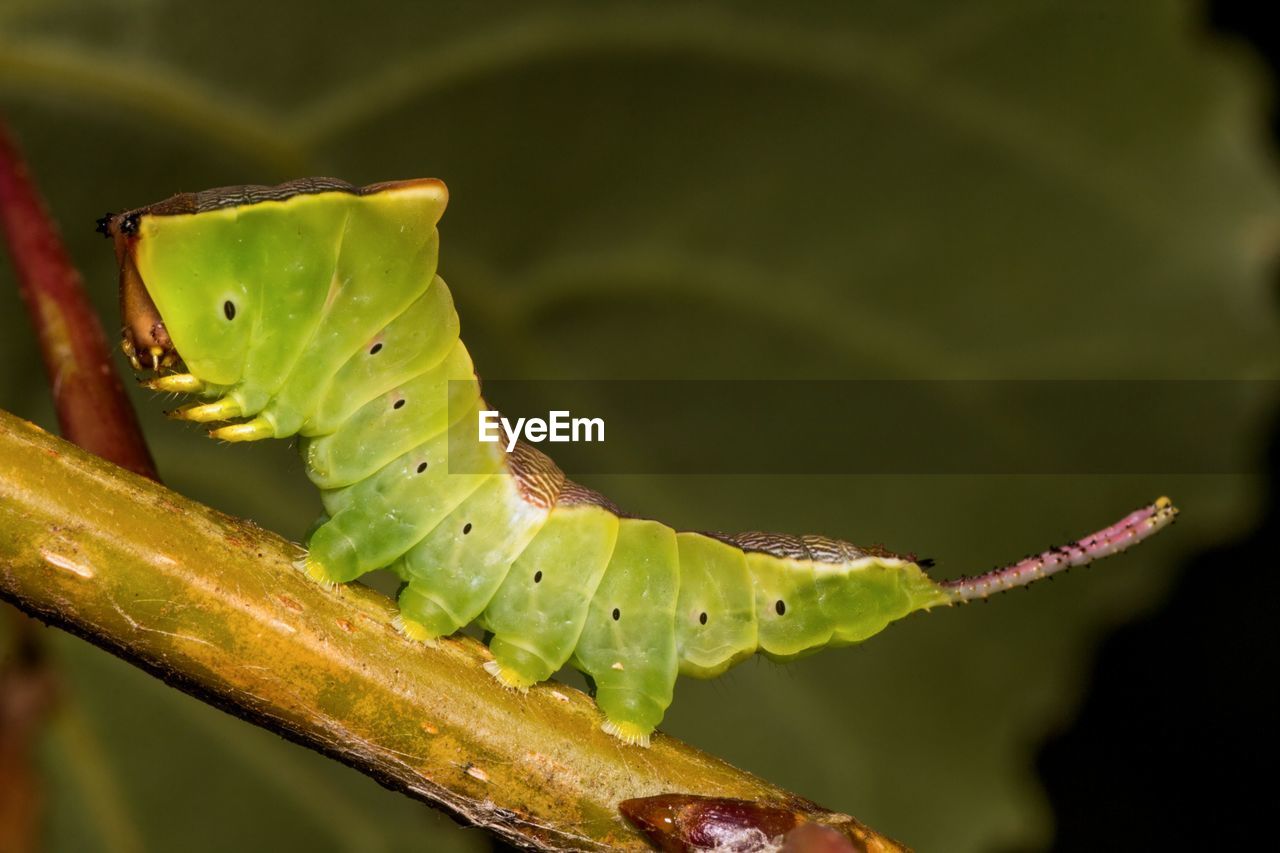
[313,308]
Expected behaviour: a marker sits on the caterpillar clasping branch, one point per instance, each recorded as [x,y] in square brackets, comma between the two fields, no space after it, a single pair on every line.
[314,309]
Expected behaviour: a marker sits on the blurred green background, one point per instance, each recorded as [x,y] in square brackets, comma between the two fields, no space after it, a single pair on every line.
[673,190]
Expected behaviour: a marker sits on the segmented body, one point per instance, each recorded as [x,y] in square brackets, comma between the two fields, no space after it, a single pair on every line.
[314,309]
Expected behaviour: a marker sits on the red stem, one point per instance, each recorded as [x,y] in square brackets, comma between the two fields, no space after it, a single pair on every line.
[28,690]
[92,408]
[93,412]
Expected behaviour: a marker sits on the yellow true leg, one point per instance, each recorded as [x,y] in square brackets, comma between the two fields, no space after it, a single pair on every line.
[254,430]
[177,383]
[219,410]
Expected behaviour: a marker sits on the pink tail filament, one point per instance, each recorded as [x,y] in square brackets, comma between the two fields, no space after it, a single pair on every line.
[1128,531]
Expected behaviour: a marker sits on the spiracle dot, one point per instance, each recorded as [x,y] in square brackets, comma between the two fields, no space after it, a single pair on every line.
[229,309]
[466,528]
[702,619]
[422,466]
[617,614]
[780,607]
[398,404]
[375,349]
[537,576]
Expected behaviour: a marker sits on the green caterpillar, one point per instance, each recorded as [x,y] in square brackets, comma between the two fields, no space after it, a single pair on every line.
[313,309]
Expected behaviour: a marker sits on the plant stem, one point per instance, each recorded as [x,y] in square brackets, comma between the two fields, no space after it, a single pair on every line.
[93,410]
[27,691]
[212,605]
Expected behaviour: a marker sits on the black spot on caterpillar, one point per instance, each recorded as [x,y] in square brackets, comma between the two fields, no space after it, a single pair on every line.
[317,275]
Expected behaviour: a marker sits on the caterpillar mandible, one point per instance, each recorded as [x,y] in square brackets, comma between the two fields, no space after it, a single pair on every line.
[313,308]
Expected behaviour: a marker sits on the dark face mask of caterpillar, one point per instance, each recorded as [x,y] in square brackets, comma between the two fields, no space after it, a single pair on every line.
[144,339]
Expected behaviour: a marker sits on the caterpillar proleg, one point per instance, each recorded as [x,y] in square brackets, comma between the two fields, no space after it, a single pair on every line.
[314,309]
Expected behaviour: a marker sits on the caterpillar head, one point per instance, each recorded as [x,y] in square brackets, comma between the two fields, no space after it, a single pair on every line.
[146,341]
[180,297]
[197,269]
